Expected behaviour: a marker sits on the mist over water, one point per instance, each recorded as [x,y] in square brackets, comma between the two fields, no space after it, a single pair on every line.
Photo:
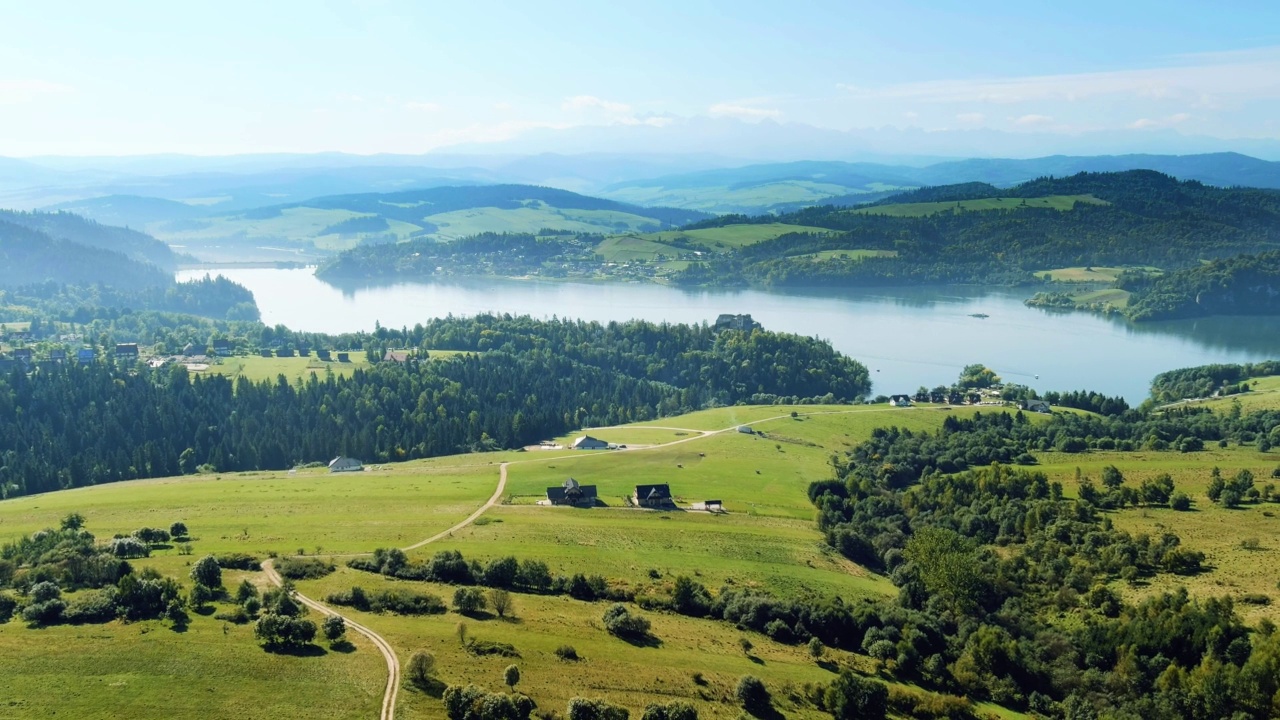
[907,337]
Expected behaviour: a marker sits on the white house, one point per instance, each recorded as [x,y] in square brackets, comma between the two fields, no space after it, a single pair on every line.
[345,464]
[586,442]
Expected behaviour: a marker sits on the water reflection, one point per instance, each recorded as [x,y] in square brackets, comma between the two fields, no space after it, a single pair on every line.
[908,337]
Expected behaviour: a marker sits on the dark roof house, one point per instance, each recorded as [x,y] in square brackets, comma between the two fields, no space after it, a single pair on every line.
[900,400]
[127,350]
[572,493]
[653,496]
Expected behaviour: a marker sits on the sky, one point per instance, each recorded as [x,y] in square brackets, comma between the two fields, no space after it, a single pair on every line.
[373,76]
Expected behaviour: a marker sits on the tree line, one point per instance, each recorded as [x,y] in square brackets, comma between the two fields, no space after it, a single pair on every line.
[521,381]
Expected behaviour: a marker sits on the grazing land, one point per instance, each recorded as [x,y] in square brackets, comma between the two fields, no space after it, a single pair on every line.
[1088,274]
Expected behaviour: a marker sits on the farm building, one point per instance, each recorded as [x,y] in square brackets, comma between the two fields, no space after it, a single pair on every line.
[900,400]
[586,442]
[129,350]
[58,355]
[1039,406]
[571,493]
[653,496]
[222,347]
[746,430]
[396,356]
[323,355]
[85,355]
[345,464]
[23,355]
[344,357]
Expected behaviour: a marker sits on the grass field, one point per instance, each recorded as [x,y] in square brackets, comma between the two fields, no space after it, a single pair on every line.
[297,368]
[1209,528]
[1056,202]
[1109,296]
[1264,394]
[723,198]
[1088,274]
[530,219]
[648,246]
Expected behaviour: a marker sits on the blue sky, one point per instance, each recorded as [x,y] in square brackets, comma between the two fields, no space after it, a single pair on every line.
[384,76]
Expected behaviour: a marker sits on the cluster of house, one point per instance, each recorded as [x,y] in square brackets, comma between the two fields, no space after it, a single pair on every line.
[574,494]
[26,358]
[954,397]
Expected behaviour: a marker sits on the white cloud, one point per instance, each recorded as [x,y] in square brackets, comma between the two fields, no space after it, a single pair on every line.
[21,91]
[971,118]
[1033,120]
[589,102]
[423,106]
[1202,79]
[742,112]
[1153,123]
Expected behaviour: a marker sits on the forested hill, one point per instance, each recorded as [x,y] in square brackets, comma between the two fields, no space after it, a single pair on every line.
[29,256]
[1244,285]
[525,380]
[70,227]
[977,233]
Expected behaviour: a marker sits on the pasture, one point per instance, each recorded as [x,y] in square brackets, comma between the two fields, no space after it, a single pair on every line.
[1091,274]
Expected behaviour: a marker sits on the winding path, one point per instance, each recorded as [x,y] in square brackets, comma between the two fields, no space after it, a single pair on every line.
[388,652]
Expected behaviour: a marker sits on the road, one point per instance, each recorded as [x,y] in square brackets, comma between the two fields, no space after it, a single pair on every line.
[389,653]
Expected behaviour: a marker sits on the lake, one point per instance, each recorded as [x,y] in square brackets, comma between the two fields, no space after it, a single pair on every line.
[907,337]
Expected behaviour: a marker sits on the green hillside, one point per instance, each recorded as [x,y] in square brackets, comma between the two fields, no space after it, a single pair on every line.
[335,223]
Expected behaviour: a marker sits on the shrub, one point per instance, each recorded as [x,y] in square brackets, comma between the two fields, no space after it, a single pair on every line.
[1255,599]
[334,628]
[752,694]
[501,601]
[207,572]
[620,622]
[151,536]
[238,615]
[93,606]
[567,653]
[675,710]
[584,709]
[8,604]
[303,568]
[850,696]
[1180,502]
[283,631]
[489,647]
[511,676]
[129,547]
[238,561]
[468,600]
[397,600]
[421,665]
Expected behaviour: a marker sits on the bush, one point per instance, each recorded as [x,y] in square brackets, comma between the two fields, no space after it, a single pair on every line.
[334,628]
[151,536]
[129,547]
[421,665]
[850,696]
[1180,502]
[752,694]
[489,647]
[178,530]
[238,561]
[238,615]
[302,568]
[207,572]
[283,631]
[501,601]
[8,604]
[584,709]
[1255,599]
[621,623]
[675,710]
[468,600]
[397,600]
[567,653]
[93,606]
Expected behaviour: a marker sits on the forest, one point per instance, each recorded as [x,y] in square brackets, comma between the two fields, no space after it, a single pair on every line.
[1147,219]
[1242,285]
[522,380]
[986,557]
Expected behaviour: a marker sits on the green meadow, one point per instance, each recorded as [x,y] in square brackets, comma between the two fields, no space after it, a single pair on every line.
[1055,202]
[294,369]
[648,246]
[1092,274]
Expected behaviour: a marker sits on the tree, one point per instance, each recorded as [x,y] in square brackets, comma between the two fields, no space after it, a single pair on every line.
[282,631]
[584,709]
[468,601]
[200,596]
[421,665]
[511,676]
[851,697]
[752,694]
[501,601]
[1112,478]
[1180,501]
[73,521]
[334,628]
[674,710]
[207,572]
[620,622]
[948,565]
[978,376]
[816,648]
[178,530]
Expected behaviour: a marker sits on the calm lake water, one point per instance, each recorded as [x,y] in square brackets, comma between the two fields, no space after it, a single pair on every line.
[907,337]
